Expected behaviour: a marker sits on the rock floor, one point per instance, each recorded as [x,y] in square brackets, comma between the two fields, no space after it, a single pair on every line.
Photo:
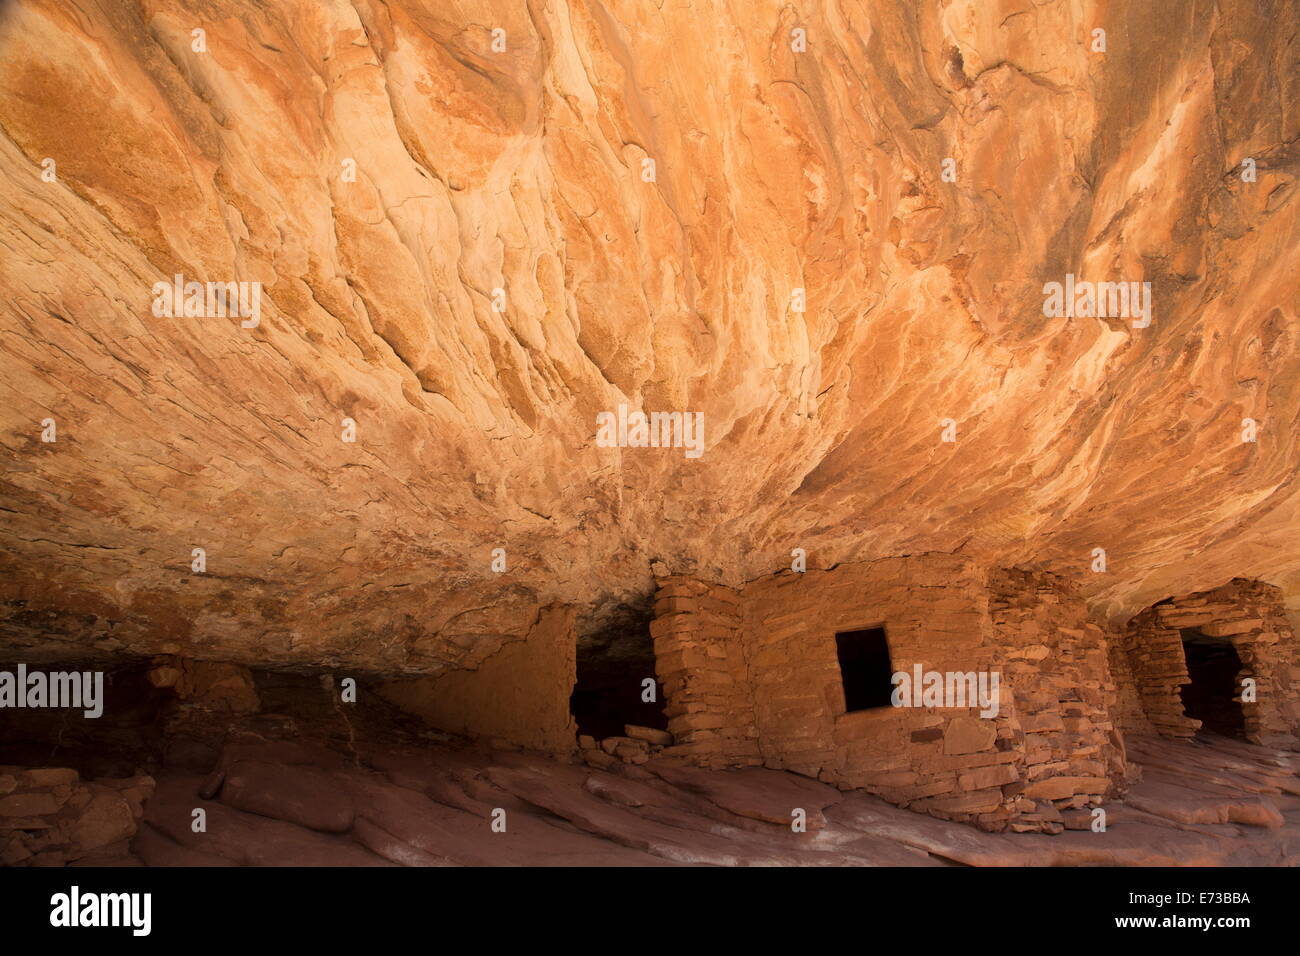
[1207,802]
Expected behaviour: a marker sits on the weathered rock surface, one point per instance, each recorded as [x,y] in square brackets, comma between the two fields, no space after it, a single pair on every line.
[437,809]
[305,785]
[522,171]
[303,795]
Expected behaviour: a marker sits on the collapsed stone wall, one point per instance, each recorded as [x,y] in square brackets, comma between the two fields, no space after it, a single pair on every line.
[519,696]
[49,816]
[754,676]
[1252,615]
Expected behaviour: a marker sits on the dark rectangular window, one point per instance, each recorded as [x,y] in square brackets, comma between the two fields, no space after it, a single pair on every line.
[864,668]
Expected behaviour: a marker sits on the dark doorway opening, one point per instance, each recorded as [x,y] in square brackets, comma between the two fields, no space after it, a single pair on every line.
[865,669]
[124,740]
[1213,666]
[615,659]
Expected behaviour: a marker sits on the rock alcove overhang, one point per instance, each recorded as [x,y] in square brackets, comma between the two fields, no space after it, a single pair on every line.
[522,171]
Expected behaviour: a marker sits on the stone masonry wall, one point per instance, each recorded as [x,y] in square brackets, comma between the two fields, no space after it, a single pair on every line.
[1056,668]
[1155,656]
[761,676]
[519,695]
[700,663]
[1249,613]
[1127,711]
[934,611]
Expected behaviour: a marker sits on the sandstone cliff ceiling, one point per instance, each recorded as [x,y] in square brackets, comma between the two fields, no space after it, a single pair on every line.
[523,171]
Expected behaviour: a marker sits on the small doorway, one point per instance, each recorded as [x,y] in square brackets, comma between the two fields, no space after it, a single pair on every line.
[1213,667]
[616,673]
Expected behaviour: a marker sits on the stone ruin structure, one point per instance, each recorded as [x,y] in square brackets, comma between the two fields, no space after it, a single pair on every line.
[753,676]
[1246,618]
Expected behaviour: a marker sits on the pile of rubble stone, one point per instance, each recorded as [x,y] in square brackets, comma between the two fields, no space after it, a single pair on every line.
[638,746]
[51,817]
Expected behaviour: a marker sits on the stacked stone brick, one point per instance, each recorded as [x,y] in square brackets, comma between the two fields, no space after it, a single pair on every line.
[934,609]
[1056,664]
[1155,654]
[700,663]
[1127,711]
[753,677]
[1252,616]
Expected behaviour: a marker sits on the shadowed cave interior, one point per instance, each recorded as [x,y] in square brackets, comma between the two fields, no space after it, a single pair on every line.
[1213,666]
[613,664]
[128,735]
